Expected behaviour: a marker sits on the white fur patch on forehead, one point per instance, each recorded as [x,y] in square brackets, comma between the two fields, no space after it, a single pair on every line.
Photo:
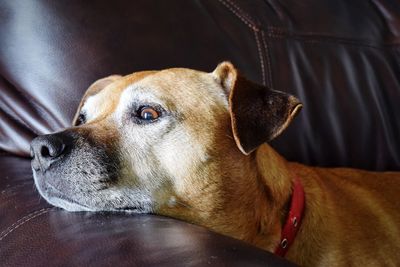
[92,107]
[100,104]
[186,87]
[139,94]
[179,91]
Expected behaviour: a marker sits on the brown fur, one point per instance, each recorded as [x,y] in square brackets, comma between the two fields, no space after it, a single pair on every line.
[351,216]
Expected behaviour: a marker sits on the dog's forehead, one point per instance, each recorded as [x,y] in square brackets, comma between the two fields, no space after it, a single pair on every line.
[106,100]
[174,88]
[178,87]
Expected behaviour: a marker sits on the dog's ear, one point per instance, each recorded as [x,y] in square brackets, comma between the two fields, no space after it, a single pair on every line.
[258,114]
[93,89]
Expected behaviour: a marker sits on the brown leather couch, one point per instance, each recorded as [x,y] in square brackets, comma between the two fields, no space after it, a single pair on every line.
[341,58]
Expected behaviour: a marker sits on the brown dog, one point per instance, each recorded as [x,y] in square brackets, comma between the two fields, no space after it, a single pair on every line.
[191,145]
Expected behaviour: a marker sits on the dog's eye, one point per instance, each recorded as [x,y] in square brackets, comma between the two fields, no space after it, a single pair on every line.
[148,114]
[81,119]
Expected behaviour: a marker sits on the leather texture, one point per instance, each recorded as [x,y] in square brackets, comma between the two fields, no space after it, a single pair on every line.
[340,58]
[34,234]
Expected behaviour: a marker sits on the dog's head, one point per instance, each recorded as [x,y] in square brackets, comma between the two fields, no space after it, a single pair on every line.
[163,142]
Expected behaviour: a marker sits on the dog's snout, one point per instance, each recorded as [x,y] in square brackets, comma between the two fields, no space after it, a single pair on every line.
[47,148]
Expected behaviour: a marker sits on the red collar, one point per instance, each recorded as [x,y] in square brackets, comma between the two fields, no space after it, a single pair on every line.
[293,220]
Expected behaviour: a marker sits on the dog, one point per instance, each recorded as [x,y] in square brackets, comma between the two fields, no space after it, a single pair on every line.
[194,146]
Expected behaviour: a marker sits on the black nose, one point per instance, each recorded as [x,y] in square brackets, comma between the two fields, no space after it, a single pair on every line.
[46,149]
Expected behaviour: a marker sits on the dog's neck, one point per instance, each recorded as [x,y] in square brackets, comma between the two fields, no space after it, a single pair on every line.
[258,205]
[276,177]
[275,174]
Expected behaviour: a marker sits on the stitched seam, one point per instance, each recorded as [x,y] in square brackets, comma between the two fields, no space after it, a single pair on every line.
[268,59]
[249,23]
[22,221]
[333,41]
[260,56]
[280,33]
[243,13]
[252,26]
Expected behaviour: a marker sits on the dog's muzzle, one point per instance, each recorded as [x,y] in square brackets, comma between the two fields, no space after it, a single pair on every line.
[72,171]
[75,171]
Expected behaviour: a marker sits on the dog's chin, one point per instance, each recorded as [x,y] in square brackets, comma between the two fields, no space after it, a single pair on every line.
[72,206]
[67,205]
[69,202]
[55,197]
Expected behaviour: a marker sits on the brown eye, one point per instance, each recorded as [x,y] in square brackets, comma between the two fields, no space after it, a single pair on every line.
[148,114]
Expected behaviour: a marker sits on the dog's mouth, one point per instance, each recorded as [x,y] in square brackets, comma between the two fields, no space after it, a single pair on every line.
[132,209]
[75,197]
[59,199]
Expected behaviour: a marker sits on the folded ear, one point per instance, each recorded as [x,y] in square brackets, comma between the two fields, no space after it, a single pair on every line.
[93,89]
[258,114]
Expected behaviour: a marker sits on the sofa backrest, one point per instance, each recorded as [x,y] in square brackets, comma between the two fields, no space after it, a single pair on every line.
[341,58]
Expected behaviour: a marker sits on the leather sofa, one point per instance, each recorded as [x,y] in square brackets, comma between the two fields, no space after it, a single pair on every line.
[341,58]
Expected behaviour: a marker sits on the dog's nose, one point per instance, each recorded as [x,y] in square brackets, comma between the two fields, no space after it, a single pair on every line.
[46,149]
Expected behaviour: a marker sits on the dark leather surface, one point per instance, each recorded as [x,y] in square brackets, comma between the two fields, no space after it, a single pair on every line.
[34,234]
[340,58]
